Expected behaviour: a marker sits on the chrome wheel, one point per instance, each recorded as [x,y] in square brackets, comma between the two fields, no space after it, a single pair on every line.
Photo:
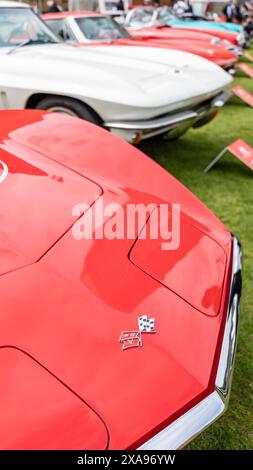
[62,110]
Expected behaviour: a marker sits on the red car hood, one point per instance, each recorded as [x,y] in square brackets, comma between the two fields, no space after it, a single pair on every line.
[224,35]
[71,305]
[216,53]
[183,34]
[170,33]
[45,205]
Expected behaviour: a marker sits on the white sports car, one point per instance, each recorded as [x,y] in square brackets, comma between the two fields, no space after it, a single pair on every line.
[134,92]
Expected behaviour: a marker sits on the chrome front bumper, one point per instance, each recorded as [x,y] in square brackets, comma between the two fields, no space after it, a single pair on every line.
[135,131]
[196,420]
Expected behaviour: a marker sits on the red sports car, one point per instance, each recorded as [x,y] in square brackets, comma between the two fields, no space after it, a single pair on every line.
[223,38]
[108,342]
[88,28]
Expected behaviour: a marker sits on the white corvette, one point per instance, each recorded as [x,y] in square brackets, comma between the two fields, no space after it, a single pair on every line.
[134,92]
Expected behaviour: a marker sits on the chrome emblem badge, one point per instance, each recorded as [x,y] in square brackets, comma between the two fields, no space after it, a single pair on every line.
[133,339]
[3,171]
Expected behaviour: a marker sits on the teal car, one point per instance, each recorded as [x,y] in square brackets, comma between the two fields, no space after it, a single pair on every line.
[141,17]
[208,25]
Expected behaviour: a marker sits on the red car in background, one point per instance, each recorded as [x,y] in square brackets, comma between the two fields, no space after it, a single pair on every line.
[68,305]
[148,17]
[227,40]
[88,28]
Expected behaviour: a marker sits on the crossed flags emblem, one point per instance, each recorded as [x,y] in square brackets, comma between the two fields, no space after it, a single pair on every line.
[133,339]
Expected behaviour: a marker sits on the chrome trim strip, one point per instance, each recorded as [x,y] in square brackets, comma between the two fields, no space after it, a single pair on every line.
[221,99]
[165,122]
[188,426]
[197,419]
[75,29]
[153,123]
[227,356]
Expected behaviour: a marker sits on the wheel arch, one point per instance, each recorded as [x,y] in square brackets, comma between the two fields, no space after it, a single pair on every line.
[36,98]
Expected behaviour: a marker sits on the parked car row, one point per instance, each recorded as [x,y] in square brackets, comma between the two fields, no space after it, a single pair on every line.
[108,343]
[143,17]
[92,28]
[135,92]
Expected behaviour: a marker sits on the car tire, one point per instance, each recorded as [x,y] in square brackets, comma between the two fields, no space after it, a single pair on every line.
[70,107]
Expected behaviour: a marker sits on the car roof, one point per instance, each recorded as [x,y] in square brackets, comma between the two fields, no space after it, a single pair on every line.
[6,4]
[65,14]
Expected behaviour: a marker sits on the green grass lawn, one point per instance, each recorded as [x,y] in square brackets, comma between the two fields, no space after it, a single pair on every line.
[228,191]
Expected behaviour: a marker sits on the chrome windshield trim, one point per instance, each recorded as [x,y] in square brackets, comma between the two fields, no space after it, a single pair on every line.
[197,419]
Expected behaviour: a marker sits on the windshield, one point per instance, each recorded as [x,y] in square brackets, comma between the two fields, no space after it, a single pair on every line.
[99,28]
[18,25]
[61,29]
[140,18]
[165,16]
